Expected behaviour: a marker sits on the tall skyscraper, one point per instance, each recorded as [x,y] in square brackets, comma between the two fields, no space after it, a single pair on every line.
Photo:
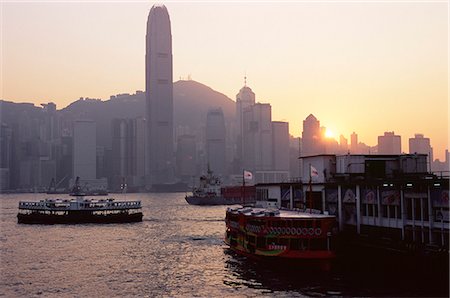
[280,144]
[312,143]
[420,144]
[84,149]
[354,143]
[215,141]
[389,143]
[258,137]
[244,99]
[159,96]
[186,157]
[127,164]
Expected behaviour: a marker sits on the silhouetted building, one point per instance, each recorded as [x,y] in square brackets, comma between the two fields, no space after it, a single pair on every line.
[84,149]
[159,96]
[215,141]
[354,143]
[312,142]
[280,144]
[5,156]
[186,157]
[389,143]
[258,137]
[343,144]
[128,154]
[244,99]
[419,144]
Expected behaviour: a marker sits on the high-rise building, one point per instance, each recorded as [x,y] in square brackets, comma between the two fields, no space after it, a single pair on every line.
[389,143]
[84,149]
[244,99]
[159,96]
[343,144]
[354,143]
[186,157]
[312,143]
[5,155]
[215,141]
[258,137]
[280,144]
[127,151]
[420,144]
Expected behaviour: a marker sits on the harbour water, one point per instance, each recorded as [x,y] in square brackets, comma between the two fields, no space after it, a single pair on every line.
[177,250]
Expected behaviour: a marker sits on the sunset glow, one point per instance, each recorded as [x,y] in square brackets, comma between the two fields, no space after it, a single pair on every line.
[329,134]
[367,67]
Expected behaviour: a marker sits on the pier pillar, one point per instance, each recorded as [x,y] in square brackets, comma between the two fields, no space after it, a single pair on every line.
[291,197]
[323,200]
[430,216]
[358,210]
[402,212]
[341,223]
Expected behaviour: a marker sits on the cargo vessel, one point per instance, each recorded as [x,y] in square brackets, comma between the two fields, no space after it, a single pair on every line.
[211,192]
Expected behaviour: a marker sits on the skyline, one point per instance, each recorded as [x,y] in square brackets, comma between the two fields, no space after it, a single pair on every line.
[397,52]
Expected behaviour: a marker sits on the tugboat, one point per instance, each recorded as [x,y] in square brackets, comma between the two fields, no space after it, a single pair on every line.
[210,192]
[277,235]
[79,210]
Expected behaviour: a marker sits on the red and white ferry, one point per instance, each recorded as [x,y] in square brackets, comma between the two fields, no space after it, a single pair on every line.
[270,233]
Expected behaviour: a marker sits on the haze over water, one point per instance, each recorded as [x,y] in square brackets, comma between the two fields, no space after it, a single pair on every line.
[177,250]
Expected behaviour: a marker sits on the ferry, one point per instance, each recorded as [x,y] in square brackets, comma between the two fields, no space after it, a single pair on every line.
[276,234]
[211,192]
[79,210]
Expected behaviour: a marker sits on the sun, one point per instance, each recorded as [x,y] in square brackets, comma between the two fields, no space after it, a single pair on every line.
[329,134]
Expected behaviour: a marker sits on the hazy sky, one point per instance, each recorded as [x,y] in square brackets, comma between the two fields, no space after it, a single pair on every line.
[368,67]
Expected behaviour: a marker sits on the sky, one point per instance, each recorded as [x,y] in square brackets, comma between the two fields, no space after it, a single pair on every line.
[368,67]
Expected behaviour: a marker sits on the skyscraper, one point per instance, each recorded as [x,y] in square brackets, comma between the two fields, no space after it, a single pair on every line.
[389,143]
[354,143]
[312,143]
[257,122]
[244,99]
[215,141]
[159,96]
[420,144]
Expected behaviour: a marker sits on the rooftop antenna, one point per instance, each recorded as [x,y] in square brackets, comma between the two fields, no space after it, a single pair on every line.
[245,79]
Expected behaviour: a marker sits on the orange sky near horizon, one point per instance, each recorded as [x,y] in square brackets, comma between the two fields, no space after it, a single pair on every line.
[367,67]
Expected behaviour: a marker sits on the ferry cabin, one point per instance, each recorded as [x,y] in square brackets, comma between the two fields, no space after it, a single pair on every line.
[259,232]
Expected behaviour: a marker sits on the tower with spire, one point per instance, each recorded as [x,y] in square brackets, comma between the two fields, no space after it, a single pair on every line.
[159,97]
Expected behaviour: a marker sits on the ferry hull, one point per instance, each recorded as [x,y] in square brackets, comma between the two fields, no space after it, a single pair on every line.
[321,261]
[77,218]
